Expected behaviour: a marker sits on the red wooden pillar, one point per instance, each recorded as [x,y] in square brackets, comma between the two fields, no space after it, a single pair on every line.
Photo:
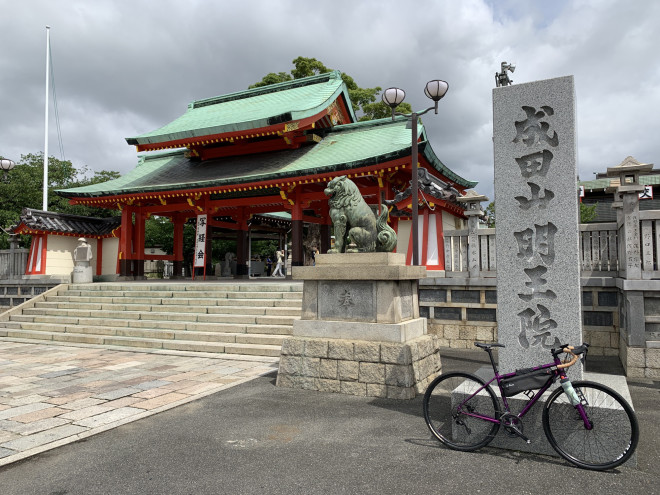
[326,231]
[138,245]
[425,238]
[99,256]
[125,243]
[37,260]
[178,221]
[209,245]
[440,232]
[297,258]
[242,245]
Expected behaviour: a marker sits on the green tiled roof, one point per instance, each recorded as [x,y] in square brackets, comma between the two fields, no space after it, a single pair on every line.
[252,109]
[344,148]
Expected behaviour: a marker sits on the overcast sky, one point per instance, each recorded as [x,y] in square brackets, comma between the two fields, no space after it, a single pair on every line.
[123,68]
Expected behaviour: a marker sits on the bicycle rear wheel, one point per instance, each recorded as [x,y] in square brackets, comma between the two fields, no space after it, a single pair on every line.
[450,402]
[613,437]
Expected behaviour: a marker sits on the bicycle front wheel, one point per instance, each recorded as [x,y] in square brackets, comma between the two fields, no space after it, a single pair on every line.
[456,408]
[614,433]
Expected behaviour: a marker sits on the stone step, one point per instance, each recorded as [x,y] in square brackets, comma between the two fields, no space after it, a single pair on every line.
[150,343]
[230,318]
[156,306]
[270,324]
[190,287]
[266,303]
[188,295]
[150,333]
[120,318]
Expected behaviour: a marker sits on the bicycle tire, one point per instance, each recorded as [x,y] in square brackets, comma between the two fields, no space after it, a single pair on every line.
[459,431]
[611,441]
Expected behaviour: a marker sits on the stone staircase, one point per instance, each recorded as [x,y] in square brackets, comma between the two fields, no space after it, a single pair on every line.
[235,318]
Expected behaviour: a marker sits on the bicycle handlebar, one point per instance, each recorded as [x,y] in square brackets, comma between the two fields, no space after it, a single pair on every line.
[573,351]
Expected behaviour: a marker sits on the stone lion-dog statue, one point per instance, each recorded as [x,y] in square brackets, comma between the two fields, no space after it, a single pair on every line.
[355,222]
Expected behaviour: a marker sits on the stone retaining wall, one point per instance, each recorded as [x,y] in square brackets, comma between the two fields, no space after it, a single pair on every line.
[640,362]
[357,367]
[461,315]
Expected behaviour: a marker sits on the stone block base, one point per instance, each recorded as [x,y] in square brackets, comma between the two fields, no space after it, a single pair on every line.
[640,362]
[393,370]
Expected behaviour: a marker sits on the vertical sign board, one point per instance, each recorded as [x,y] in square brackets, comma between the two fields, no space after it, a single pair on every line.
[538,272]
[200,244]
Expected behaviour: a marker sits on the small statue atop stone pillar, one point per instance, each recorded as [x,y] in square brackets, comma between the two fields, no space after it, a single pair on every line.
[82,255]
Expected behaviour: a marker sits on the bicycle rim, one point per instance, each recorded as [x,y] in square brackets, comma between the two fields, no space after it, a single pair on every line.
[449,400]
[610,442]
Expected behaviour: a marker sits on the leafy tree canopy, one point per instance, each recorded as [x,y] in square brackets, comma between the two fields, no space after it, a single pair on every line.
[588,212]
[24,189]
[490,212]
[364,100]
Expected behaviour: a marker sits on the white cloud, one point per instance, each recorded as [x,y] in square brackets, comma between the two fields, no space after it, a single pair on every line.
[123,69]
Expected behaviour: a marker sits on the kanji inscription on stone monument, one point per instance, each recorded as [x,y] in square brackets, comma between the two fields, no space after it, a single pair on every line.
[538,275]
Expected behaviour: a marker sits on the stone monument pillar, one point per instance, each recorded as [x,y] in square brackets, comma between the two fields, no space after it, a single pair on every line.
[82,255]
[538,270]
[360,331]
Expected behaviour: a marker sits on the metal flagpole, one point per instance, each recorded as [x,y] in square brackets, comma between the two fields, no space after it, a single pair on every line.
[45,204]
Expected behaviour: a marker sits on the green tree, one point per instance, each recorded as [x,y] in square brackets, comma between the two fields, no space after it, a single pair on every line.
[159,232]
[587,212]
[24,189]
[271,78]
[364,100]
[490,211]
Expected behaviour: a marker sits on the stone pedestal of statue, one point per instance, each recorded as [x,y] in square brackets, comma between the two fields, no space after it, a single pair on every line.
[82,270]
[360,332]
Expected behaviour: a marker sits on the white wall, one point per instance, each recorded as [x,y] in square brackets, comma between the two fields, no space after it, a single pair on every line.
[450,222]
[110,253]
[403,236]
[59,256]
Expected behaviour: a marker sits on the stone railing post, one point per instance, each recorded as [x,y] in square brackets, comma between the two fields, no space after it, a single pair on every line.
[628,191]
[14,270]
[627,204]
[474,212]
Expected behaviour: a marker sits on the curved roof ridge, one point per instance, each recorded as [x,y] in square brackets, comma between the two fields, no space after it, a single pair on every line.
[264,90]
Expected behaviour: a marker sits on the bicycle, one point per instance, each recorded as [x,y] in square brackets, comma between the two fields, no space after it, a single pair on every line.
[588,424]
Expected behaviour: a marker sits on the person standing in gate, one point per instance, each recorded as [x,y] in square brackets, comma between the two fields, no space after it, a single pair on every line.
[278,267]
[269,265]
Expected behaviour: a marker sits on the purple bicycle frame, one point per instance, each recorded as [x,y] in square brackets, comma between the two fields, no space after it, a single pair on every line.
[530,402]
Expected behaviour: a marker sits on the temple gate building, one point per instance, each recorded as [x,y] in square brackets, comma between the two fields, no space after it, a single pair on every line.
[272,149]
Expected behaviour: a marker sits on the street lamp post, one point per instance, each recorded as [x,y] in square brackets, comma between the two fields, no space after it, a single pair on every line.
[393,97]
[6,165]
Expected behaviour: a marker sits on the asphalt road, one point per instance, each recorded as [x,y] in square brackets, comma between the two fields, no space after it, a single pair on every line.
[259,439]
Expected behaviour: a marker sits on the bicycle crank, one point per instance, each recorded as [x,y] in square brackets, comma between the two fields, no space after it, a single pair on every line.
[513,426]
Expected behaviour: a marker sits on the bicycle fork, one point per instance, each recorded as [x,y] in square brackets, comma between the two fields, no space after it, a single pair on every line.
[577,400]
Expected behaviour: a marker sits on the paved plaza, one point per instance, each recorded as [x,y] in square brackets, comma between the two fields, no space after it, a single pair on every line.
[52,395]
[254,437]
